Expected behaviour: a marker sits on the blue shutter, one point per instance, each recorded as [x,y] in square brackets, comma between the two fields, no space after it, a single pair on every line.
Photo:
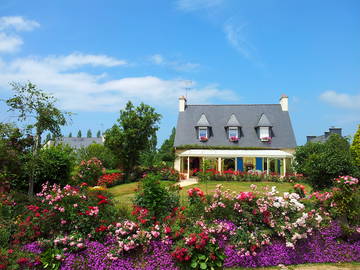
[259,164]
[240,164]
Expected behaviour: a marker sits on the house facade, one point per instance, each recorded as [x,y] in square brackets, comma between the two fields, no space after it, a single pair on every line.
[239,137]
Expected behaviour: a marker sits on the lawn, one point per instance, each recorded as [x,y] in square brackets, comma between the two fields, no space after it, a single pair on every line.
[124,193]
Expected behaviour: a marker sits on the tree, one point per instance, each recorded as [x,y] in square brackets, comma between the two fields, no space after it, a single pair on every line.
[70,135]
[133,134]
[48,137]
[38,108]
[355,147]
[89,133]
[166,151]
[79,134]
[322,162]
[98,134]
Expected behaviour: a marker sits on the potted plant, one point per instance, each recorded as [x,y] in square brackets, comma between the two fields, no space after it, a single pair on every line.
[203,139]
[234,139]
[265,139]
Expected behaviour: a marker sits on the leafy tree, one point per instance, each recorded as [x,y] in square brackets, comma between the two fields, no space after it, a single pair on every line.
[355,147]
[79,135]
[149,157]
[98,134]
[104,154]
[70,135]
[15,149]
[89,134]
[48,137]
[133,134]
[38,108]
[166,151]
[322,162]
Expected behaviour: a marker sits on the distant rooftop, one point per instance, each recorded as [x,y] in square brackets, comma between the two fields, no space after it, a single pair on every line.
[77,143]
[323,138]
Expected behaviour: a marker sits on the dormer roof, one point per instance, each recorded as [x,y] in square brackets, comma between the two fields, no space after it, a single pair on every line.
[203,122]
[233,122]
[264,121]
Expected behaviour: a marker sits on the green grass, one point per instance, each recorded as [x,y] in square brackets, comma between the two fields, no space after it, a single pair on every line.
[123,194]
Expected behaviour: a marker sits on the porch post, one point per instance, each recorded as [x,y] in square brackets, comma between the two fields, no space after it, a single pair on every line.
[188,167]
[219,164]
[284,166]
[267,166]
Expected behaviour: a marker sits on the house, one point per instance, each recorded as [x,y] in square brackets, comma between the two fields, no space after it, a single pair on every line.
[234,137]
[75,142]
[323,138]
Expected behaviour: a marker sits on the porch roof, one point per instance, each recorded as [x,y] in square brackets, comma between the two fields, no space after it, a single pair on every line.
[235,153]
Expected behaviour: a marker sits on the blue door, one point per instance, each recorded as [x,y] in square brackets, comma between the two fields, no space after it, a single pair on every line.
[240,164]
[259,164]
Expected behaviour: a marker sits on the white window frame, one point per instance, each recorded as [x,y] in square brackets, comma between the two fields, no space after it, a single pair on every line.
[236,131]
[264,132]
[203,129]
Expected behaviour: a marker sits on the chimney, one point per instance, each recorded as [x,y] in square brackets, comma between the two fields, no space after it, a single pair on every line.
[310,138]
[334,130]
[284,102]
[327,133]
[182,104]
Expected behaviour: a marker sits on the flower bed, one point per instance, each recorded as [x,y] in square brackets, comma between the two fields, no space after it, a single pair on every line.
[249,176]
[246,229]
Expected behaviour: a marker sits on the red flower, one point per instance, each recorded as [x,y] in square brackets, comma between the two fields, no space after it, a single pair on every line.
[3,266]
[101,228]
[167,230]
[103,202]
[10,251]
[22,260]
[101,197]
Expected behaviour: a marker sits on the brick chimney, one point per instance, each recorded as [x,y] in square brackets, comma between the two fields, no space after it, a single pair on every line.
[284,102]
[182,103]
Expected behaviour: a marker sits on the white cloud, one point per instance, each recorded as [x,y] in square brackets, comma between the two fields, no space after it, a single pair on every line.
[9,43]
[81,91]
[193,5]
[17,23]
[76,60]
[158,59]
[236,37]
[341,100]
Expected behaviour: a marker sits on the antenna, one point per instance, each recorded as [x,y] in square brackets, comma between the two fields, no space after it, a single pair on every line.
[187,84]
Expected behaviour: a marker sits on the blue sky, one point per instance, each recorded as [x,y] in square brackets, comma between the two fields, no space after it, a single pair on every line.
[94,56]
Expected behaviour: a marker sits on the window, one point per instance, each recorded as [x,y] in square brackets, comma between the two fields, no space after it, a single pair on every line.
[203,132]
[264,132]
[233,132]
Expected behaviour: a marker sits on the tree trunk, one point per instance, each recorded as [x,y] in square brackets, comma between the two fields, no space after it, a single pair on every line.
[34,156]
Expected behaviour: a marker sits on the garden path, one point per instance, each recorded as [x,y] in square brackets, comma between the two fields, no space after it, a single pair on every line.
[188,182]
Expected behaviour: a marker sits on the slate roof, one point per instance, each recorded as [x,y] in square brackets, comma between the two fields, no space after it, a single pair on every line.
[264,121]
[78,143]
[233,122]
[203,122]
[248,115]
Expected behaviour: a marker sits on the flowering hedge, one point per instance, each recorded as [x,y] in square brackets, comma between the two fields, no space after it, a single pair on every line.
[249,176]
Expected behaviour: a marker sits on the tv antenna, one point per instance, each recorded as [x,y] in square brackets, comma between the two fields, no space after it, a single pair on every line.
[187,84]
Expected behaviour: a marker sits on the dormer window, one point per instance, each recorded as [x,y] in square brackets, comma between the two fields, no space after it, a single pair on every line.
[264,128]
[203,134]
[233,134]
[203,128]
[265,134]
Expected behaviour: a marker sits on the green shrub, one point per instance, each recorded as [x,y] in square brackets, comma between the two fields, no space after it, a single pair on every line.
[155,197]
[101,152]
[89,171]
[53,165]
[322,162]
[4,236]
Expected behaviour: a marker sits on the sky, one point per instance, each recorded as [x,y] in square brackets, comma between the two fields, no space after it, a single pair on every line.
[94,56]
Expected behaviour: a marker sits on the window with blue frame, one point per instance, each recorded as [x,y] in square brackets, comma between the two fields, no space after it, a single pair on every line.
[233,132]
[203,132]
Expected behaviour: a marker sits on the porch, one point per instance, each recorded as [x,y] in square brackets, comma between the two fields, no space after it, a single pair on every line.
[269,161]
